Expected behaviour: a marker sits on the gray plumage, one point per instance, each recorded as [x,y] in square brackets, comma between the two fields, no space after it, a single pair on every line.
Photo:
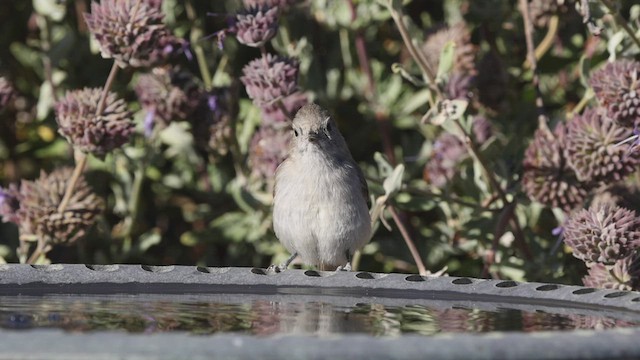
[320,207]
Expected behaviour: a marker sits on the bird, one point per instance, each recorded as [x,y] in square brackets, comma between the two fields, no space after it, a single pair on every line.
[320,204]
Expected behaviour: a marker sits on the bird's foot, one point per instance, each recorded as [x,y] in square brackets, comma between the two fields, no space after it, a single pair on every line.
[277,268]
[346,267]
[282,267]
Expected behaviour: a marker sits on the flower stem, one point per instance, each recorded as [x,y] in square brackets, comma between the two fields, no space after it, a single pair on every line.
[546,43]
[397,16]
[382,120]
[533,62]
[196,33]
[82,157]
[77,172]
[41,249]
[133,206]
[422,270]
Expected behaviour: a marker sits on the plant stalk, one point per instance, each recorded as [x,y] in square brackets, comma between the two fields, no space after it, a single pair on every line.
[422,270]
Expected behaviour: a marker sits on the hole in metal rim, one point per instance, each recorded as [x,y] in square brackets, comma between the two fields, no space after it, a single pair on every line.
[365,276]
[584,291]
[157,268]
[462,281]
[258,271]
[312,273]
[212,270]
[616,294]
[636,299]
[415,278]
[52,267]
[506,284]
[104,268]
[548,287]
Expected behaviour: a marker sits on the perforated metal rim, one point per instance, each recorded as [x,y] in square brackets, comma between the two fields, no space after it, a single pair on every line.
[106,279]
[335,287]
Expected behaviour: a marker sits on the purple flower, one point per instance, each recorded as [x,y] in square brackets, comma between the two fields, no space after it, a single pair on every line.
[38,214]
[617,88]
[267,150]
[9,203]
[256,25]
[77,121]
[594,151]
[270,78]
[131,32]
[464,53]
[148,123]
[211,122]
[603,234]
[624,274]
[547,177]
[170,94]
[272,114]
[449,151]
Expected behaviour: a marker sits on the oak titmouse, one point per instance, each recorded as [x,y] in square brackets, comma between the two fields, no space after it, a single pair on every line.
[320,210]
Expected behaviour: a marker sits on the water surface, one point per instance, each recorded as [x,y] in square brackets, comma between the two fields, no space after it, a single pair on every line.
[264,316]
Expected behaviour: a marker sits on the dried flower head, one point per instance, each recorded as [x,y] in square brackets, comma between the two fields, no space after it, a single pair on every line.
[267,150]
[464,53]
[482,129]
[256,25]
[449,151]
[593,149]
[38,214]
[9,203]
[131,32]
[211,123]
[168,94]
[77,121]
[623,275]
[273,115]
[7,93]
[547,177]
[270,78]
[459,86]
[617,88]
[603,234]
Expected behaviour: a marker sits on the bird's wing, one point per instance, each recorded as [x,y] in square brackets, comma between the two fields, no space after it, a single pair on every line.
[363,186]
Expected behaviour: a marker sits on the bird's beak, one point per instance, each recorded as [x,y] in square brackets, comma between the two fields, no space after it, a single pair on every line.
[316,136]
[313,137]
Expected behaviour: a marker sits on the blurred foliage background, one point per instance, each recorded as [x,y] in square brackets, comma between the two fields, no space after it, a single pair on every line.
[194,186]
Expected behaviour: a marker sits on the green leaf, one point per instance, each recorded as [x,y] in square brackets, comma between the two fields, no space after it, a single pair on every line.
[613,43]
[585,68]
[393,183]
[148,240]
[446,60]
[55,10]
[384,168]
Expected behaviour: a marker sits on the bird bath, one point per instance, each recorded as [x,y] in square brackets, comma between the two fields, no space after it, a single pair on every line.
[71,311]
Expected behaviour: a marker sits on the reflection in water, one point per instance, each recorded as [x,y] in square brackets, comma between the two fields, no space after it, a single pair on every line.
[144,314]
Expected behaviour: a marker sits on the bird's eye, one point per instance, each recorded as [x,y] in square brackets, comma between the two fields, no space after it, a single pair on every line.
[328,127]
[295,132]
